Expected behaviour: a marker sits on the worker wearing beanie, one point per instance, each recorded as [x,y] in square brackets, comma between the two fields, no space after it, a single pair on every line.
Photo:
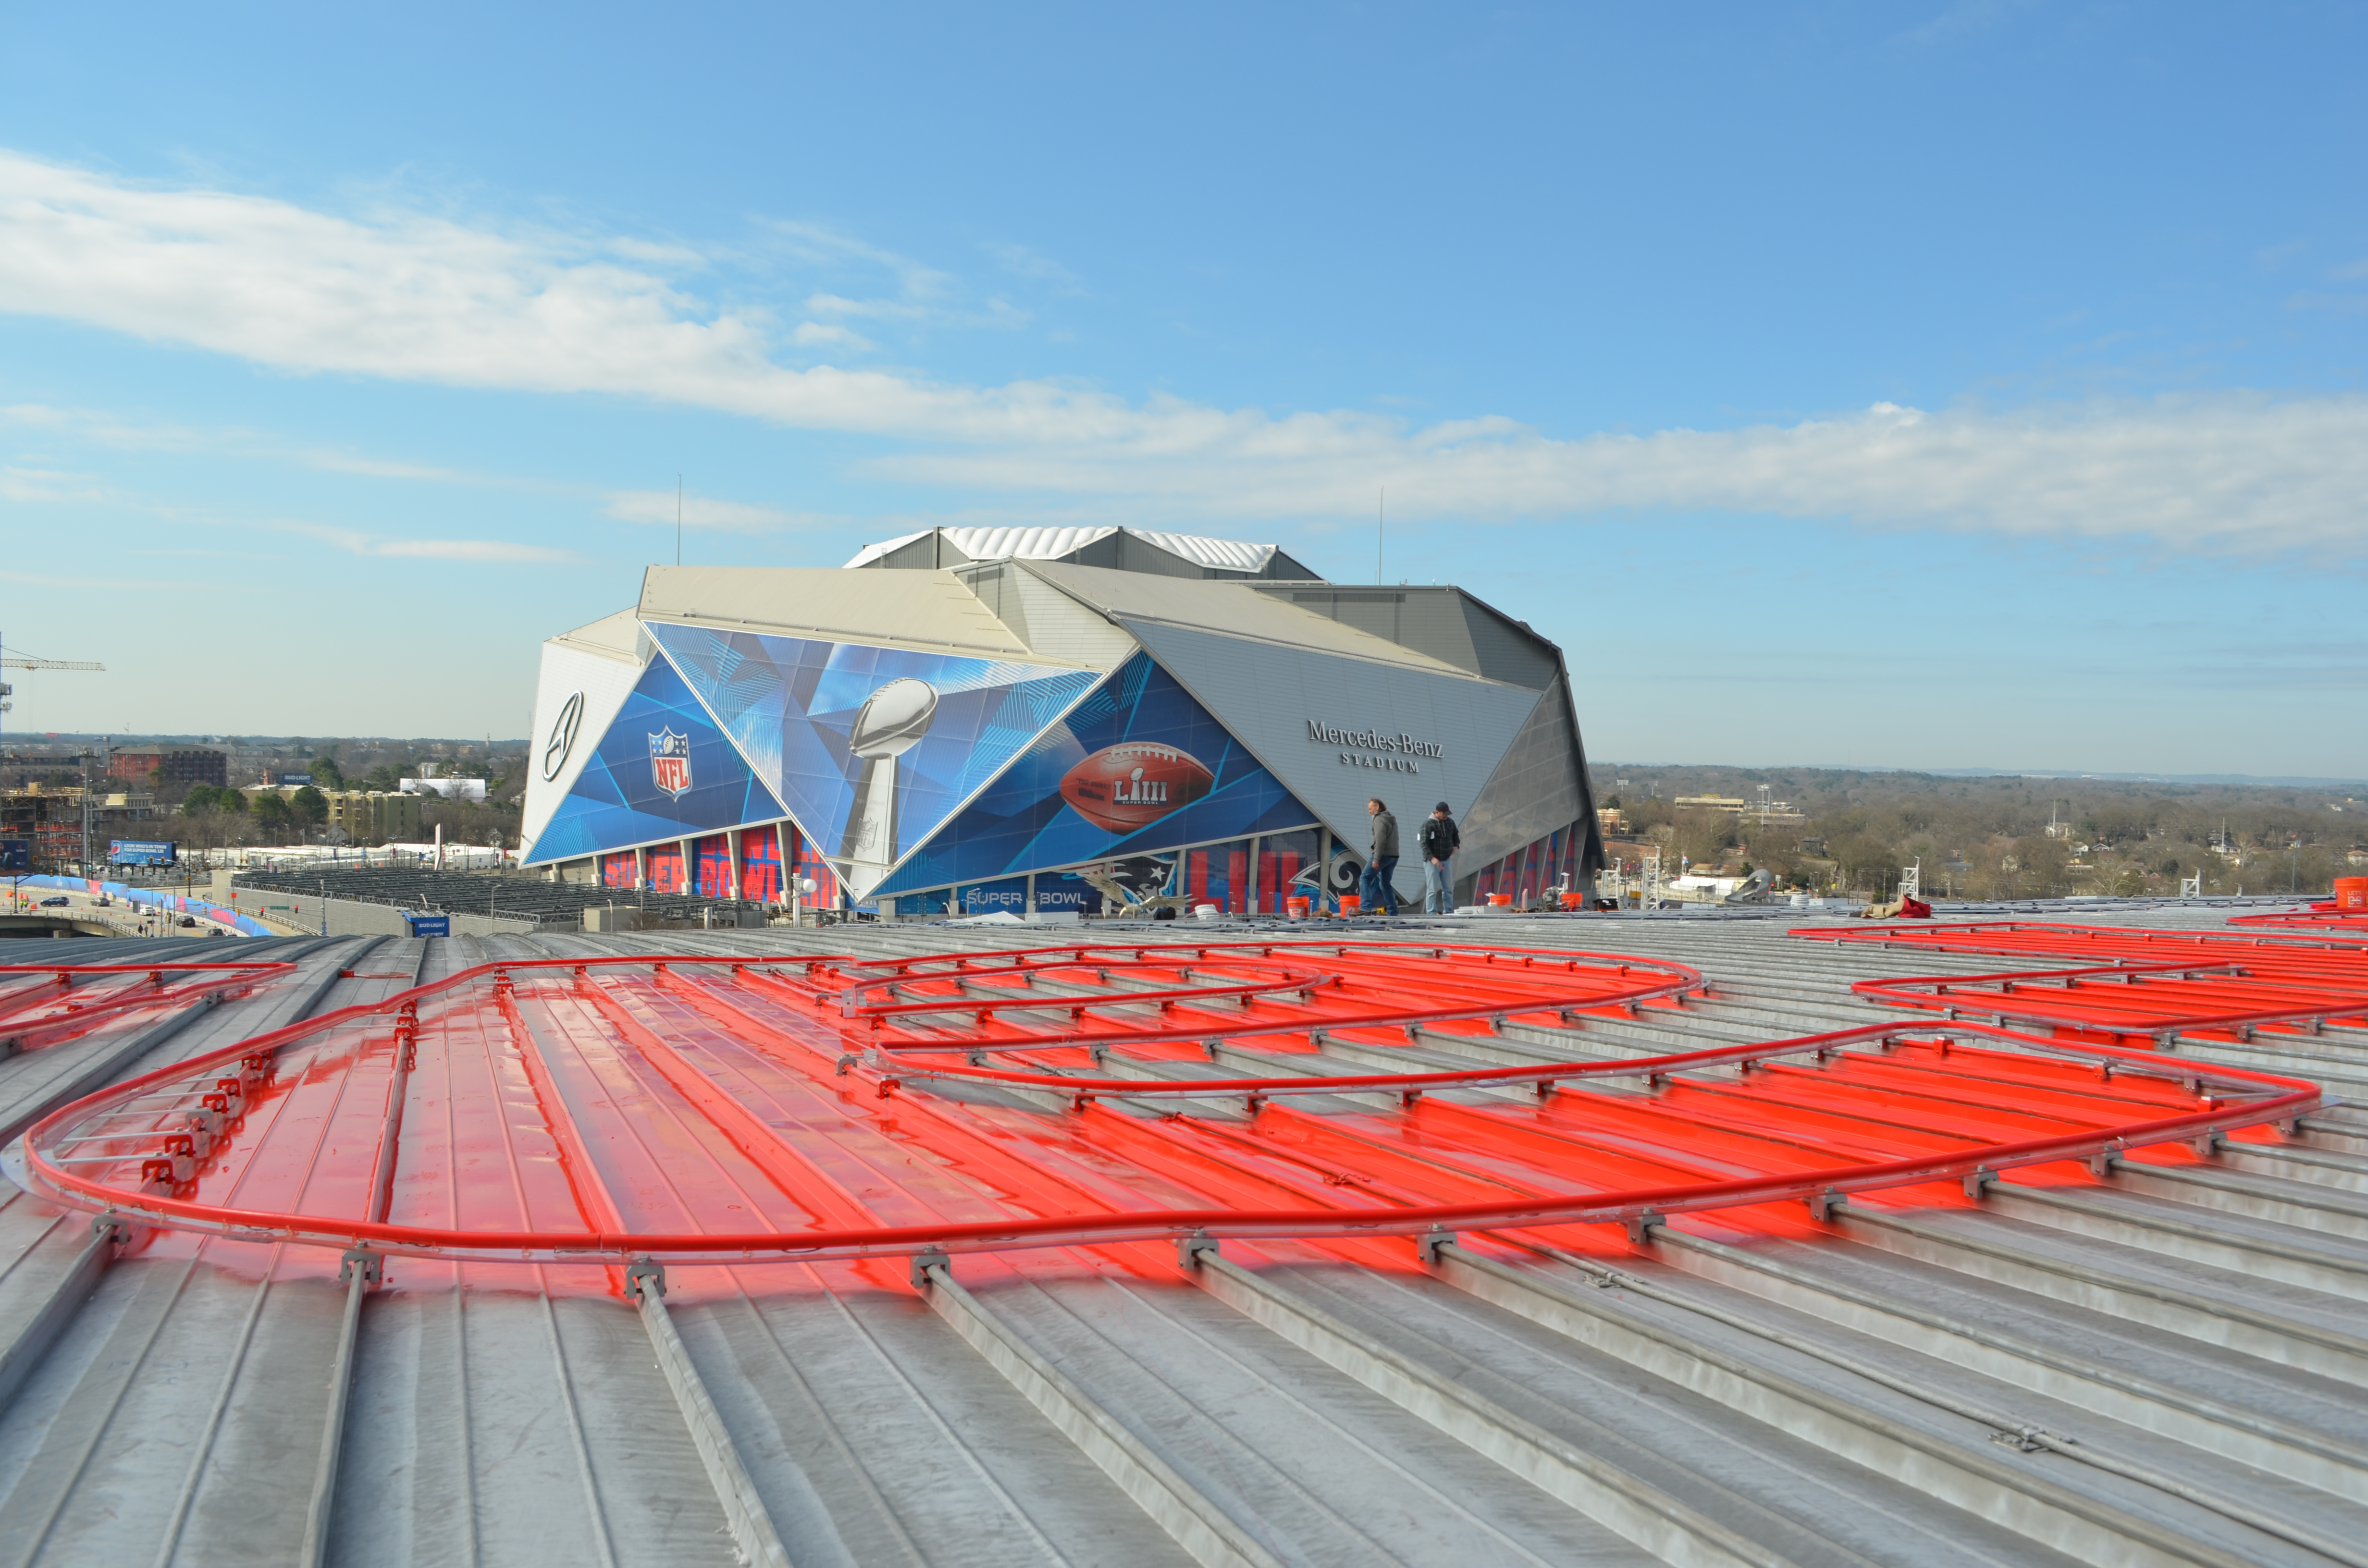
[1440,839]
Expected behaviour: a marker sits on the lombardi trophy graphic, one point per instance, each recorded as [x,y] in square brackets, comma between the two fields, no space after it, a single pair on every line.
[890,723]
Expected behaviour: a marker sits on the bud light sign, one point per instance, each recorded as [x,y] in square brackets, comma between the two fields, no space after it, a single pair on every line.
[427,925]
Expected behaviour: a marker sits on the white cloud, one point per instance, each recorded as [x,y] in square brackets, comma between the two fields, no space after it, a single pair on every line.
[47,485]
[407,296]
[813,331]
[480,550]
[1023,262]
[707,512]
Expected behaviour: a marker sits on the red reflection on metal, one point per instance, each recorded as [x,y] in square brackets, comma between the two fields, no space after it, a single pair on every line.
[731,1110]
[45,1004]
[2131,987]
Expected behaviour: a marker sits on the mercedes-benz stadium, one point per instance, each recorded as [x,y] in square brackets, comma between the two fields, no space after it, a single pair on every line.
[1050,720]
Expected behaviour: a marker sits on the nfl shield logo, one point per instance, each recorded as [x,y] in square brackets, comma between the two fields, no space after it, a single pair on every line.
[670,761]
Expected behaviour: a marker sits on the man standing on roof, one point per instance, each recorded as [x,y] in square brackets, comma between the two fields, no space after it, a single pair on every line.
[1378,896]
[1440,839]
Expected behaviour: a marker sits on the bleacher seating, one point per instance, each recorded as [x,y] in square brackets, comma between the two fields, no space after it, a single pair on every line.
[516,895]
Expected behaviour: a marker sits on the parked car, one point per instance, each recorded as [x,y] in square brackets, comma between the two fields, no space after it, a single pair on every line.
[57,902]
[186,920]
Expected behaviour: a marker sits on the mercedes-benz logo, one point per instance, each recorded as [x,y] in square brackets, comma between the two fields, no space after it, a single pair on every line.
[563,735]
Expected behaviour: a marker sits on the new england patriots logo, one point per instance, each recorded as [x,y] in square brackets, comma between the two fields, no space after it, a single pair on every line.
[670,761]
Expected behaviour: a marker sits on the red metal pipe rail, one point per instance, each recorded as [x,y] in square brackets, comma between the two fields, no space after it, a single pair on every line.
[2156,985]
[42,1012]
[658,1107]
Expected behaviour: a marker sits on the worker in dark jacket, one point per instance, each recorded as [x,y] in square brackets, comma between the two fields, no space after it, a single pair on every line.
[1378,897]
[1440,839]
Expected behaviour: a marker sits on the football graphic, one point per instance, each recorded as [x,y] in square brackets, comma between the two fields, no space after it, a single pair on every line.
[1123,787]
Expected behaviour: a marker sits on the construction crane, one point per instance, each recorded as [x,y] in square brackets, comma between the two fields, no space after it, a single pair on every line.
[12,662]
[26,661]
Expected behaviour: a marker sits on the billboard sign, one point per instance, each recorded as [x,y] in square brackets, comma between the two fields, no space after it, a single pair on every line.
[427,925]
[869,749]
[1138,767]
[141,852]
[15,855]
[451,789]
[288,779]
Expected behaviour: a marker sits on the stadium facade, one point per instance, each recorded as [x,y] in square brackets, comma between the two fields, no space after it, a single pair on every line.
[975,719]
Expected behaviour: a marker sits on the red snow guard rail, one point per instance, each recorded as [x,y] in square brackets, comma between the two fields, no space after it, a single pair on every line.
[731,1110]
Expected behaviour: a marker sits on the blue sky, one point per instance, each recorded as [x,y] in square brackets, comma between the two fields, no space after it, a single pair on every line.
[1896,385]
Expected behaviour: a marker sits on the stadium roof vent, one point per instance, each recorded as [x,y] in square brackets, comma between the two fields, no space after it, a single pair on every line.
[1123,549]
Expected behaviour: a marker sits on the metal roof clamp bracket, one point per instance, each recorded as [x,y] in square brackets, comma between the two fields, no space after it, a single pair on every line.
[925,1261]
[1977,1182]
[1098,1054]
[2207,1145]
[1544,1087]
[1250,1104]
[1409,1099]
[845,1060]
[1319,1038]
[1208,1047]
[109,1223]
[1823,1204]
[643,1275]
[1189,1248]
[371,1264]
[2101,1163]
[1640,1225]
[1427,1245]
[1080,1100]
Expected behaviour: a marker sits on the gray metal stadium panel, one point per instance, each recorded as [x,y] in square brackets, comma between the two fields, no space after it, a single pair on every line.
[1539,787]
[1426,619]
[1446,623]
[1266,695]
[1507,649]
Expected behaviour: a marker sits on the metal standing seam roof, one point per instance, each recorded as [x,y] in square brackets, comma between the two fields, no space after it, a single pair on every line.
[1051,543]
[1234,609]
[2155,1361]
[929,610]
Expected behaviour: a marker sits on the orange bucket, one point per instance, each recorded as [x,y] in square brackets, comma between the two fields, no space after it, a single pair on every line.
[2351,895]
[1350,904]
[1501,900]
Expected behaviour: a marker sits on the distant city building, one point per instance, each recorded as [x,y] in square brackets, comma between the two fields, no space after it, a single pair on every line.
[184,768]
[372,816]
